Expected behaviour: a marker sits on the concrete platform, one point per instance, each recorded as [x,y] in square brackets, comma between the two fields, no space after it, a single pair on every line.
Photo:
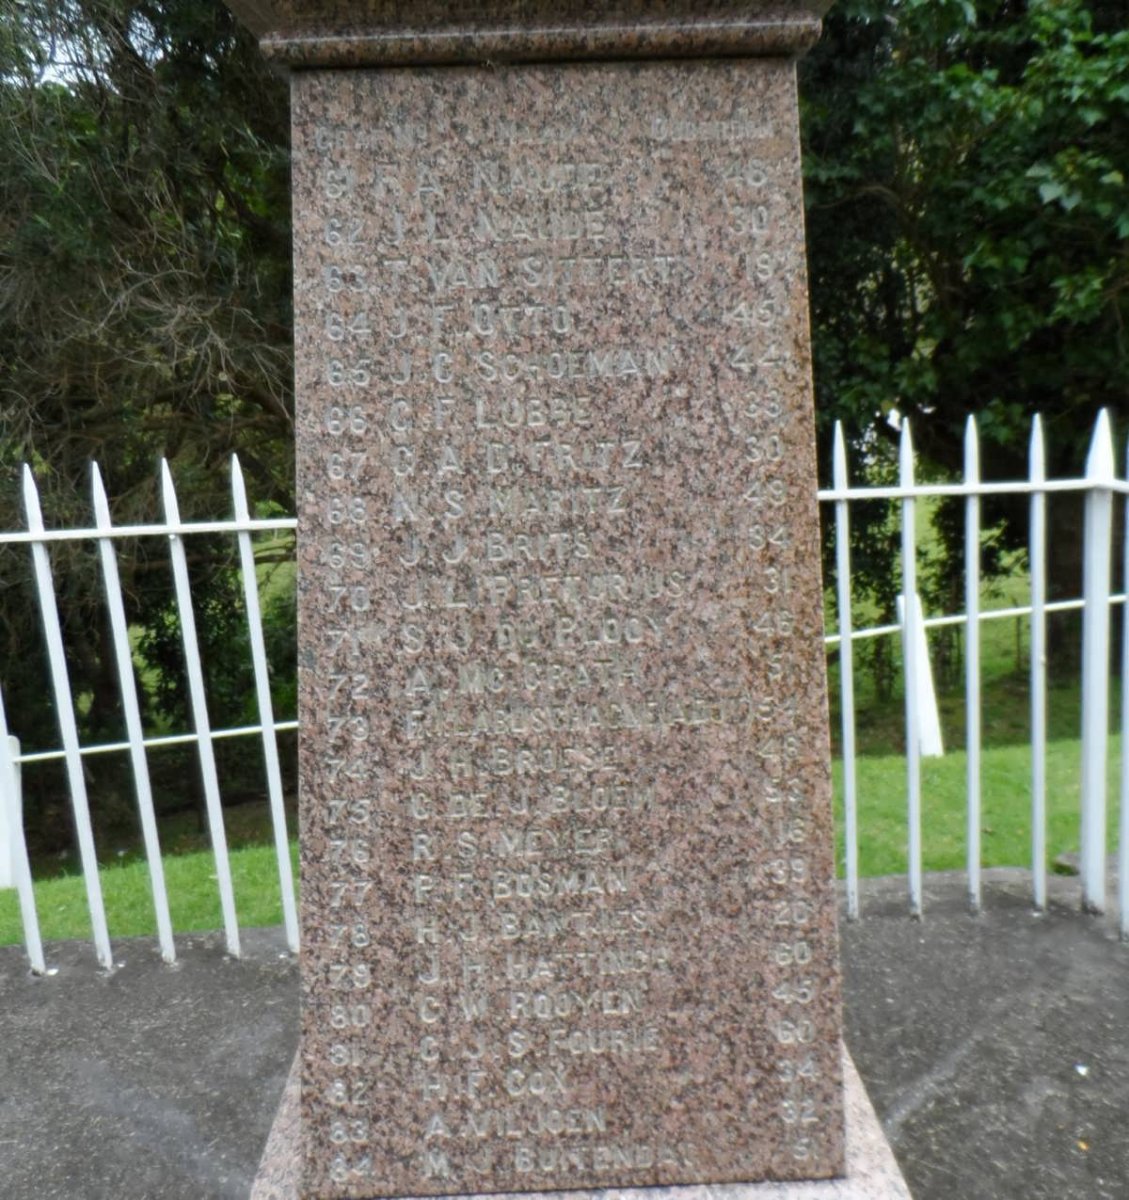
[994,1048]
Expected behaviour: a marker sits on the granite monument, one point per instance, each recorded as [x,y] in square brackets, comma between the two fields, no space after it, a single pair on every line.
[567,878]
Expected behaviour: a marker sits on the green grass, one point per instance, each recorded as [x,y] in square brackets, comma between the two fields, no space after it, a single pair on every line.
[1005,825]
[1005,708]
[193,897]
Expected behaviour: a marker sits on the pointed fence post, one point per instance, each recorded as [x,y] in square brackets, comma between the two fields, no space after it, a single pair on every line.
[132,711]
[21,868]
[1095,662]
[204,747]
[1123,825]
[11,816]
[972,657]
[909,659]
[266,709]
[846,670]
[1037,556]
[68,727]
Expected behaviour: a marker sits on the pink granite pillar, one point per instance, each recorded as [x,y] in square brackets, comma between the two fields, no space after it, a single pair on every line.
[568,901]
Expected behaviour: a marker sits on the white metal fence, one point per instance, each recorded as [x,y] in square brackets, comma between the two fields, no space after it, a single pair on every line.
[105,534]
[1099,485]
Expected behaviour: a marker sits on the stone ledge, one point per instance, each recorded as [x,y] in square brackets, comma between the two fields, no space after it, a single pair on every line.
[872,1171]
[386,33]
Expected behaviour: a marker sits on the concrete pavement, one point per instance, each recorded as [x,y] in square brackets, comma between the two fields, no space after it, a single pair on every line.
[995,1049]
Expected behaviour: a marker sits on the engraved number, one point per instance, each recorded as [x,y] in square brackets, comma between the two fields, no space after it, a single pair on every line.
[341,374]
[792,912]
[357,811]
[346,420]
[357,598]
[798,991]
[351,278]
[338,183]
[793,1033]
[769,403]
[337,328]
[798,1112]
[771,491]
[763,449]
[789,954]
[793,1069]
[793,832]
[349,850]
[351,554]
[342,1169]
[769,535]
[349,1016]
[343,233]
[350,975]
[341,1054]
[786,870]
[347,1091]
[341,511]
[748,220]
[356,935]
[353,1130]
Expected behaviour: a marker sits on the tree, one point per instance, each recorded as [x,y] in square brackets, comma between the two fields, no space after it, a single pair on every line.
[968,218]
[144,298]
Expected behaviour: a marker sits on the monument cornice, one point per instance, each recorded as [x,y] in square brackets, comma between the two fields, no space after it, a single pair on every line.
[392,33]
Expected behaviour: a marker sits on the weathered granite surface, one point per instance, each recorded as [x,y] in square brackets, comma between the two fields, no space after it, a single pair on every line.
[568,919]
[347,33]
[871,1171]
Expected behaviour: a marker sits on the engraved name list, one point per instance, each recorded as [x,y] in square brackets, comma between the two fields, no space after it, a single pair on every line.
[566,801]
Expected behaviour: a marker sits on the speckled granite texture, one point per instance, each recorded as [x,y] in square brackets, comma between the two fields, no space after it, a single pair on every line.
[872,1173]
[344,33]
[567,908]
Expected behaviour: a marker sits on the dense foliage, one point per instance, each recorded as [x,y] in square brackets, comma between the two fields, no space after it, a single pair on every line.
[967,175]
[144,312]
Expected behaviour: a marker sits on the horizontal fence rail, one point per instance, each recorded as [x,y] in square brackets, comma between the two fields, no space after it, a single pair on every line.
[1099,487]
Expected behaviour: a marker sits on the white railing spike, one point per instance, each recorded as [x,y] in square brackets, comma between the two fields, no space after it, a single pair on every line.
[168,495]
[972,660]
[1095,663]
[266,709]
[68,726]
[204,749]
[21,867]
[909,659]
[905,455]
[839,475]
[846,671]
[930,742]
[1123,823]
[1037,559]
[1100,469]
[131,709]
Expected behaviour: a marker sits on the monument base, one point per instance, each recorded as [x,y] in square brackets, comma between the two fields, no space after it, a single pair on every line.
[872,1171]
